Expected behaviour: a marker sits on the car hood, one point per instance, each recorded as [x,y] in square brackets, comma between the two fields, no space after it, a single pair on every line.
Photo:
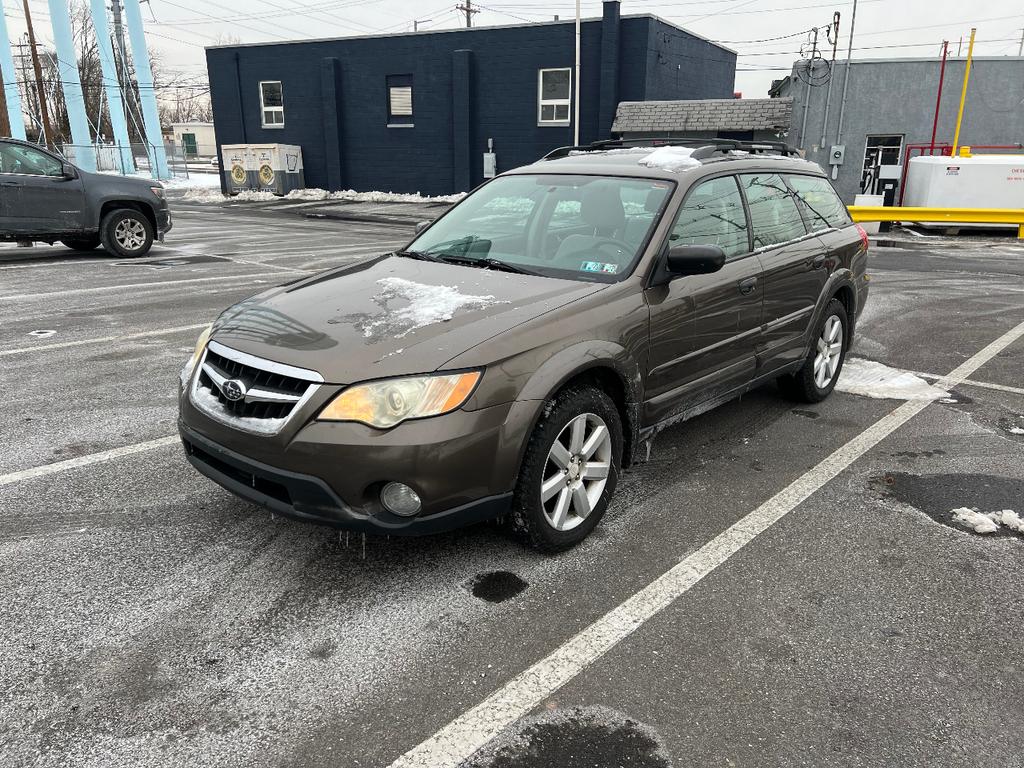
[388,316]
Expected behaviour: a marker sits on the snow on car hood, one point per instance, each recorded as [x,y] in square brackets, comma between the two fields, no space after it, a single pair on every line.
[388,316]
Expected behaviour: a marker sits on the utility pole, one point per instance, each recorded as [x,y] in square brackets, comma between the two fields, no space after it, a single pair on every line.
[124,79]
[807,96]
[43,111]
[831,77]
[576,84]
[469,10]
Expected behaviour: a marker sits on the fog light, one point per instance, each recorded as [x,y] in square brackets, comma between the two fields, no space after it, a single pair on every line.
[400,499]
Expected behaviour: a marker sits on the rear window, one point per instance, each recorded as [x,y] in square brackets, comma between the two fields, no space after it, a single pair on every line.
[774,217]
[820,203]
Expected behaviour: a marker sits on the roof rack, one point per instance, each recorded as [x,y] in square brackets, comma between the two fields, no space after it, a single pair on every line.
[703,148]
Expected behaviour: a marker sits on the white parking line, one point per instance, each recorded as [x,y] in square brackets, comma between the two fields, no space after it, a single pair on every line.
[102,339]
[975,383]
[462,737]
[85,461]
[131,286]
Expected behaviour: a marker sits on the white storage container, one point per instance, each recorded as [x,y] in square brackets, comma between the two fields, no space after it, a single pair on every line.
[238,169]
[278,167]
[979,181]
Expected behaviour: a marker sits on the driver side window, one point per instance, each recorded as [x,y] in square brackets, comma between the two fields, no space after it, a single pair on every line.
[26,161]
[713,215]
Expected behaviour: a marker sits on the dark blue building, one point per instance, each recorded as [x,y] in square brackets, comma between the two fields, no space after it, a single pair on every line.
[414,112]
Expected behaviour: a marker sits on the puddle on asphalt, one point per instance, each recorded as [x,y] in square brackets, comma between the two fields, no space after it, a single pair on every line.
[939,495]
[496,586]
[580,737]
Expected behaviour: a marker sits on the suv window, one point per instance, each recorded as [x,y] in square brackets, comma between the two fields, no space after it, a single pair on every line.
[819,201]
[713,215]
[27,161]
[774,216]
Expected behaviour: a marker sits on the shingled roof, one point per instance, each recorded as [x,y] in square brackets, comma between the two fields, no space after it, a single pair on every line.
[703,115]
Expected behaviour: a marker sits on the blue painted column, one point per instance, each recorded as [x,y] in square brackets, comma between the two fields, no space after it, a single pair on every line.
[7,75]
[462,123]
[608,100]
[115,106]
[144,74]
[330,89]
[67,64]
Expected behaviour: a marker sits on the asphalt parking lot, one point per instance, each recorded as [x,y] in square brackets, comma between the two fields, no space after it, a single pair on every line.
[777,586]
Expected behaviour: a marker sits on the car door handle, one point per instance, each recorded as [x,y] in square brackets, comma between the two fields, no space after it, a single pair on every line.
[747,286]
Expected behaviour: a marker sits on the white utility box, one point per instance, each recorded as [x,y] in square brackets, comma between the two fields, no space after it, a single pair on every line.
[238,169]
[978,181]
[278,167]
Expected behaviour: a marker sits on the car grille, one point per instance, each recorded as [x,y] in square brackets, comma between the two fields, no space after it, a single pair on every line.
[266,394]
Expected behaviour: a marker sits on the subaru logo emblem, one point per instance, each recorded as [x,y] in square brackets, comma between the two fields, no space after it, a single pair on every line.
[233,389]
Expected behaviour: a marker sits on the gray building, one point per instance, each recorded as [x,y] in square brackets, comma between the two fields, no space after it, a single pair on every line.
[890,107]
[744,119]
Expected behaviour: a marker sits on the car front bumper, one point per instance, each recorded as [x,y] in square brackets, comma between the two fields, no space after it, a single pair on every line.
[463,465]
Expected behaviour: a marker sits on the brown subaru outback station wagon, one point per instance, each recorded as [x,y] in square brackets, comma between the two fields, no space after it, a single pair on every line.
[527,345]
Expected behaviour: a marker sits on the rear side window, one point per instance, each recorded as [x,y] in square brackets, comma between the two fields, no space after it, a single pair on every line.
[821,205]
[774,217]
[713,215]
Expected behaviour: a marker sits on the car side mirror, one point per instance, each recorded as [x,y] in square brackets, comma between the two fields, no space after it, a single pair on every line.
[421,225]
[695,259]
[68,171]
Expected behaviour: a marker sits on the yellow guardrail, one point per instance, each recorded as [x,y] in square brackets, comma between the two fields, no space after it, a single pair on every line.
[951,216]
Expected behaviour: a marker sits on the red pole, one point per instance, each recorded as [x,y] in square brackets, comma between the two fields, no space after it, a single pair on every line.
[938,98]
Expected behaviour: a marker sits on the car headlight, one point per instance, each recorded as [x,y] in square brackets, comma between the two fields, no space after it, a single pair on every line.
[190,366]
[384,404]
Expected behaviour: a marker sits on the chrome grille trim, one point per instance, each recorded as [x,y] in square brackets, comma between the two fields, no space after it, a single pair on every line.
[206,398]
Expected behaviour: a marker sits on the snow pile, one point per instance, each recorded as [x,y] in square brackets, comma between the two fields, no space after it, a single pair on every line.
[871,379]
[988,522]
[1015,430]
[195,181]
[428,304]
[671,159]
[213,195]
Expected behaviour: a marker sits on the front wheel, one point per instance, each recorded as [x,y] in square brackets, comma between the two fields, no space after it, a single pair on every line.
[126,233]
[570,470]
[817,378]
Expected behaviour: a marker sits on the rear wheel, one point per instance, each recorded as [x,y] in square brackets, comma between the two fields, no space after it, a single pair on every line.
[126,233]
[817,378]
[82,243]
[570,470]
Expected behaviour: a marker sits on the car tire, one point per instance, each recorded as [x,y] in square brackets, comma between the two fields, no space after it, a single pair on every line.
[126,233]
[817,377]
[556,484]
[82,243]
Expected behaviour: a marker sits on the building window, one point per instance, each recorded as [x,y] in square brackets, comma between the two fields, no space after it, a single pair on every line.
[879,151]
[272,104]
[554,96]
[399,101]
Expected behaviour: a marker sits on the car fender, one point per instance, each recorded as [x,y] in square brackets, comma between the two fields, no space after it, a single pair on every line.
[841,278]
[575,360]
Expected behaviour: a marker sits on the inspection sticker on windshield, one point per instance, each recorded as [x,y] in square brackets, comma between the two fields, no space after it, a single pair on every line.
[597,266]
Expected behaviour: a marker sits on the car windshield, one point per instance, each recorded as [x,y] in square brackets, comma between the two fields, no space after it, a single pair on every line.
[579,227]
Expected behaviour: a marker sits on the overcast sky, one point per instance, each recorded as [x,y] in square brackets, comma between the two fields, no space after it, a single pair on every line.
[180,29]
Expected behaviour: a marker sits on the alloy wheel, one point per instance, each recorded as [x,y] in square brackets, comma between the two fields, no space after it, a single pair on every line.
[130,234]
[576,471]
[830,352]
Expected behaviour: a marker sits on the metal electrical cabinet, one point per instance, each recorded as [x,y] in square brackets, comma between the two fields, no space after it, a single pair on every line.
[238,171]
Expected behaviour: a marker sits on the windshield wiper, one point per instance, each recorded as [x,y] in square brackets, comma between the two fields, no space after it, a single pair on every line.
[418,255]
[488,263]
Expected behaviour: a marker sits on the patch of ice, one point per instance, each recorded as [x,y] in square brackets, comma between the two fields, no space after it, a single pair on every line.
[872,379]
[988,522]
[671,159]
[428,304]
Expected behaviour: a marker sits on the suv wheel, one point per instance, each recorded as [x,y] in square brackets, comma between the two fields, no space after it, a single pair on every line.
[570,470]
[817,378]
[82,243]
[126,233]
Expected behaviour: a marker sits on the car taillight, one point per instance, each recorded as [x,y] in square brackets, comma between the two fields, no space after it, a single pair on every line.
[863,236]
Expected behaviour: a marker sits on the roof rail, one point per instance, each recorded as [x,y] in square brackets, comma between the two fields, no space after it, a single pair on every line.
[703,148]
